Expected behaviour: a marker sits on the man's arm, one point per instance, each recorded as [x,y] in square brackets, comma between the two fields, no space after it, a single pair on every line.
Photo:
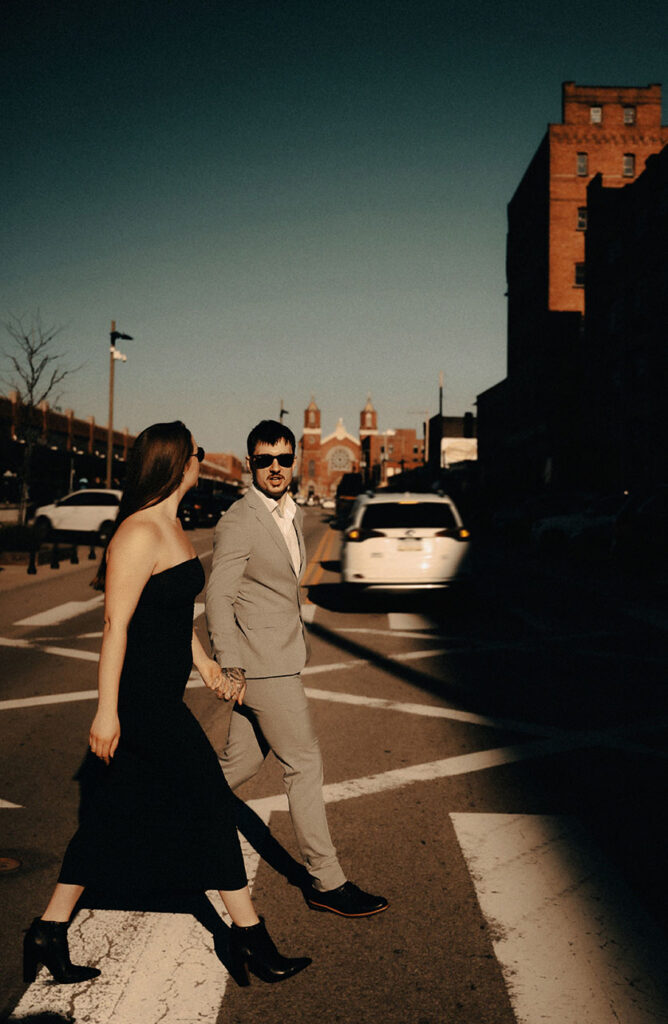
[231,552]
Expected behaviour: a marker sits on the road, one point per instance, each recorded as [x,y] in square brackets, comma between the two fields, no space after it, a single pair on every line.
[494,765]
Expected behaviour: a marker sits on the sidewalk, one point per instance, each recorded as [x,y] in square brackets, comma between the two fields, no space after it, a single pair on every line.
[15,574]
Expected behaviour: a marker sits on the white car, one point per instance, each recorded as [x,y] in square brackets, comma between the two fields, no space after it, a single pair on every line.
[404,541]
[86,511]
[328,503]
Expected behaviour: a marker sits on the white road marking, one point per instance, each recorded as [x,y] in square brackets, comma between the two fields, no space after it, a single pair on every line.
[63,652]
[411,634]
[397,778]
[146,987]
[139,953]
[50,698]
[8,805]
[574,945]
[408,621]
[62,612]
[431,711]
[308,612]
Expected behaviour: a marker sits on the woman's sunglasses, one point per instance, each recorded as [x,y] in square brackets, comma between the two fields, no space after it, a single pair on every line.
[199,454]
[265,461]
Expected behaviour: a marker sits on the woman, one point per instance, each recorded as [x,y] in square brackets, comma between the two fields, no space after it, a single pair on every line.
[157,813]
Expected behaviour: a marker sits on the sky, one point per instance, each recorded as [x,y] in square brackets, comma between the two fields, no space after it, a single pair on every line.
[282,199]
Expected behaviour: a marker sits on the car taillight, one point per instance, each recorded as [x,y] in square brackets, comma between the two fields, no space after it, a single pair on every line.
[357,535]
[456,532]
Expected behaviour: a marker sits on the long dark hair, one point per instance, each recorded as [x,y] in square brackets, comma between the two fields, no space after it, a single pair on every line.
[155,468]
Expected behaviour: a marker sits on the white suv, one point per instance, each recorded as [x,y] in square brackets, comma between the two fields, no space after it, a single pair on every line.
[86,511]
[404,540]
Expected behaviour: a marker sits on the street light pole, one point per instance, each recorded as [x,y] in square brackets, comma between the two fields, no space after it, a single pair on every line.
[114,354]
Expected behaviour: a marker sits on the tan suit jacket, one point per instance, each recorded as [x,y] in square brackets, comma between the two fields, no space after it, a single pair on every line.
[253,604]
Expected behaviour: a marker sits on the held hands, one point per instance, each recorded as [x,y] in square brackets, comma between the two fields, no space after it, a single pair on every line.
[226,683]
[105,733]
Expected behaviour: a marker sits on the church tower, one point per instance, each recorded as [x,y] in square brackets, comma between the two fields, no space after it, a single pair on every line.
[310,448]
[312,419]
[368,420]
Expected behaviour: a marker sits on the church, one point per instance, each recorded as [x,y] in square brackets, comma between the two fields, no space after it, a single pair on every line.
[322,461]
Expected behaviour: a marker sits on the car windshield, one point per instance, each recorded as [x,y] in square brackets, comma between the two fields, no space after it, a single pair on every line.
[398,515]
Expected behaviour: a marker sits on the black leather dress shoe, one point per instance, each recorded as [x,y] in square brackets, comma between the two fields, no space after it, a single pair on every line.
[348,901]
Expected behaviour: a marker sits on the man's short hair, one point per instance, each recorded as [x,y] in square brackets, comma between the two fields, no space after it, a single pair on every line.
[269,432]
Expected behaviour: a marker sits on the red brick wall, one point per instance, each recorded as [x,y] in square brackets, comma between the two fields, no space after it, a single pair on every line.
[605,144]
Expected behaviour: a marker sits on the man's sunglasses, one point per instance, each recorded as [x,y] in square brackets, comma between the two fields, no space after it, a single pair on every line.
[265,461]
[199,454]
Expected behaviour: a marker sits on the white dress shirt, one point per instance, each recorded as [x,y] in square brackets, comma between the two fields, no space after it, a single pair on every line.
[283,513]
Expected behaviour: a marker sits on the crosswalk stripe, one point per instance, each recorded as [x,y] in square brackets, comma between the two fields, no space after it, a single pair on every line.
[573,943]
[62,612]
[409,621]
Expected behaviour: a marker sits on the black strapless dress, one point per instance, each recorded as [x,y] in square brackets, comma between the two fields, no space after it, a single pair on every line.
[160,816]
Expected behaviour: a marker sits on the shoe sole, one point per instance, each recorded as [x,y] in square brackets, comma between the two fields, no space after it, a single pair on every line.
[324,908]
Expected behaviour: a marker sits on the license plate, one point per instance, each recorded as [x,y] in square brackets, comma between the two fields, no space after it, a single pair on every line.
[409,545]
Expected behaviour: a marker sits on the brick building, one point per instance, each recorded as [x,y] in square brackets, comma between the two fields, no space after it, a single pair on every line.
[531,423]
[69,451]
[390,453]
[625,330]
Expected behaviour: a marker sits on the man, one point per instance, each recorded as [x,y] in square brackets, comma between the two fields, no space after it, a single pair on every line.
[257,633]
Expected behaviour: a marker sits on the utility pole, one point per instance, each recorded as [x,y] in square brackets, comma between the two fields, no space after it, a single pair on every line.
[114,354]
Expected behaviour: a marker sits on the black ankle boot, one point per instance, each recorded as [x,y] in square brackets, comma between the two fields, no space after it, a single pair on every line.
[252,949]
[45,943]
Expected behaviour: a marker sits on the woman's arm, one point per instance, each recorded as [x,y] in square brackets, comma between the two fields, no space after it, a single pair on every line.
[131,559]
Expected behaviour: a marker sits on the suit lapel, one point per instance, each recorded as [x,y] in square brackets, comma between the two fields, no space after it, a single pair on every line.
[302,546]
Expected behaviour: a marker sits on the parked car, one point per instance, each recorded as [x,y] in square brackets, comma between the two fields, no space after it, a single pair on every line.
[328,503]
[350,486]
[640,532]
[202,508]
[89,511]
[404,540]
[586,530]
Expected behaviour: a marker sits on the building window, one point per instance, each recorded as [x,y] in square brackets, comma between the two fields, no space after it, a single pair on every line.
[582,218]
[583,164]
[579,275]
[629,115]
[340,459]
[629,165]
[311,468]
[595,115]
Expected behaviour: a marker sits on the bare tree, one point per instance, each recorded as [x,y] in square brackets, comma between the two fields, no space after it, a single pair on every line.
[36,371]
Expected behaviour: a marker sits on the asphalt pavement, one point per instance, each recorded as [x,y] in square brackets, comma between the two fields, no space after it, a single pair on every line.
[494,765]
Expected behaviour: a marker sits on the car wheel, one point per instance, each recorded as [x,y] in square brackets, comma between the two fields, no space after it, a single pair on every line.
[105,531]
[42,528]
